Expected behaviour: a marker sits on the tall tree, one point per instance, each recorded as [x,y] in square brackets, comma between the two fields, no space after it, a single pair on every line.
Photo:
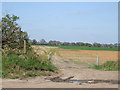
[12,36]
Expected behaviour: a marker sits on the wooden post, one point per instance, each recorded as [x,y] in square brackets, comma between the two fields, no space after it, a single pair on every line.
[24,46]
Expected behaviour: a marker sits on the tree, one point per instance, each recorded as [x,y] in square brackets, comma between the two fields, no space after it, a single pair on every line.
[81,44]
[43,42]
[0,40]
[116,45]
[66,43]
[97,45]
[34,42]
[12,36]
[51,42]
[110,45]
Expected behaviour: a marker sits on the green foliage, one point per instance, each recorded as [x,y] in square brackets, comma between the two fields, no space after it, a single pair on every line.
[108,66]
[12,36]
[34,42]
[15,65]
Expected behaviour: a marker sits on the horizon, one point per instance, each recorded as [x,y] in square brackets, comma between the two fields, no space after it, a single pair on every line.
[75,42]
[67,21]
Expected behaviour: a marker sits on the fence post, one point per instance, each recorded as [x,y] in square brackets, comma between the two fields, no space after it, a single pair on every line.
[24,46]
[49,57]
[97,60]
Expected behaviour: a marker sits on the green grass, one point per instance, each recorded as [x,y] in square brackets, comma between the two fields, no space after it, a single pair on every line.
[25,65]
[108,66]
[88,48]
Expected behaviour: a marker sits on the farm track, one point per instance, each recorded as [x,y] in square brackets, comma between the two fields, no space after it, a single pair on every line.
[67,69]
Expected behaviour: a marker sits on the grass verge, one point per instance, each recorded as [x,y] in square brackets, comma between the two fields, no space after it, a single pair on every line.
[25,65]
[108,66]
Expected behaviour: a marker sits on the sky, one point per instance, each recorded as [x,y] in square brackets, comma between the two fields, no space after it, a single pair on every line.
[67,21]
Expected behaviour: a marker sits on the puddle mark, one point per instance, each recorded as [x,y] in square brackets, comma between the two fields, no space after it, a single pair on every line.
[90,81]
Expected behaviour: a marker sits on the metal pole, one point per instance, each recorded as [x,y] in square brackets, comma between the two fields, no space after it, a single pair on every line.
[49,57]
[97,60]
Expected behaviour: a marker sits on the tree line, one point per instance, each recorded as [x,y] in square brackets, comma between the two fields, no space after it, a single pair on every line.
[58,43]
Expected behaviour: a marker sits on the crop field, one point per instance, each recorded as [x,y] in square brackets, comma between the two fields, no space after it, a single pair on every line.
[88,48]
[103,55]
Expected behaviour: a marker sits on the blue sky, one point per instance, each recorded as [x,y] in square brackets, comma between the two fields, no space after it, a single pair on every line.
[67,21]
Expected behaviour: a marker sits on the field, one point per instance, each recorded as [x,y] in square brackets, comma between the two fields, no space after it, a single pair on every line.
[88,48]
[104,54]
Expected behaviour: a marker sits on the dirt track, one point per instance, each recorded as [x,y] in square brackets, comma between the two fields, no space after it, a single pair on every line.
[66,69]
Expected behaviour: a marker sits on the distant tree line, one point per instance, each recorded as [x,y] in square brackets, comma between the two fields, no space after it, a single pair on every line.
[58,43]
